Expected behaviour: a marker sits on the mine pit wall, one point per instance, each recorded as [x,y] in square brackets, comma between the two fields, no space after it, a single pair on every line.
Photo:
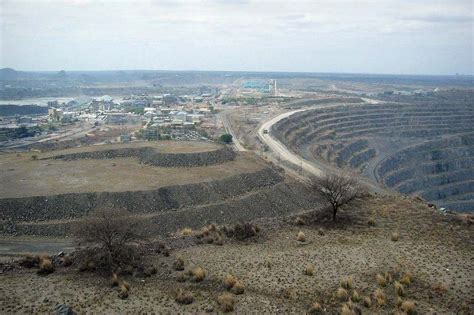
[76,205]
[150,156]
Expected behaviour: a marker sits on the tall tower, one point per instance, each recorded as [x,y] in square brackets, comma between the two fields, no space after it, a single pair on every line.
[275,87]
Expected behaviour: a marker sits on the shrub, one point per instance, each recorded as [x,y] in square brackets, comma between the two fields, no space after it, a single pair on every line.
[399,289]
[199,274]
[301,237]
[309,270]
[346,310]
[186,232]
[34,157]
[315,309]
[66,261]
[380,297]
[399,301]
[45,266]
[241,231]
[342,294]
[225,138]
[226,302]
[381,280]
[184,297]
[111,232]
[347,282]
[229,281]
[408,307]
[178,264]
[395,236]
[238,288]
[126,285]
[439,288]
[182,277]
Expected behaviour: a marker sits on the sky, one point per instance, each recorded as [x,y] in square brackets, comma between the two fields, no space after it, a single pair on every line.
[367,36]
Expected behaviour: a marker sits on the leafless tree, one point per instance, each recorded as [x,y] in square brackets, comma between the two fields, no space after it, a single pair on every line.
[337,190]
[111,231]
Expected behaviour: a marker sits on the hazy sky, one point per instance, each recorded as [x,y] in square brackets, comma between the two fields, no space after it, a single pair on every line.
[371,36]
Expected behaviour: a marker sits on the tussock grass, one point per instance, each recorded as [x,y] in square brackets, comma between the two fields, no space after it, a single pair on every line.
[226,302]
[395,236]
[299,221]
[342,294]
[229,281]
[399,289]
[238,288]
[184,297]
[347,282]
[315,309]
[409,307]
[178,264]
[45,266]
[367,302]
[309,270]
[301,237]
[380,297]
[355,296]
[381,280]
[199,274]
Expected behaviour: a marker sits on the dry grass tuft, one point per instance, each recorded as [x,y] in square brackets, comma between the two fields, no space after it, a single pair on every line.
[178,264]
[45,266]
[229,281]
[238,288]
[399,301]
[124,288]
[309,270]
[115,280]
[299,221]
[226,302]
[184,297]
[342,294]
[439,288]
[399,289]
[395,236]
[407,279]
[381,280]
[315,309]
[301,237]
[380,297]
[347,282]
[199,274]
[186,232]
[29,261]
[355,296]
[367,302]
[347,310]
[408,307]
[371,221]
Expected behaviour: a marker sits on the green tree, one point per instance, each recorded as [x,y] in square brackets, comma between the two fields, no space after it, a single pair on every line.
[225,138]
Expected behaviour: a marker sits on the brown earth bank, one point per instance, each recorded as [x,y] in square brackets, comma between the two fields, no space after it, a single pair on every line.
[391,250]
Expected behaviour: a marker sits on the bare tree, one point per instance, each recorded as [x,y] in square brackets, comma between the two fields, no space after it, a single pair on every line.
[336,189]
[111,231]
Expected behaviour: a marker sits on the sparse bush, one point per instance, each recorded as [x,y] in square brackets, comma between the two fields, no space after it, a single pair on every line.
[399,289]
[342,294]
[337,190]
[395,236]
[380,297]
[34,157]
[229,281]
[315,309]
[238,288]
[309,270]
[347,282]
[241,231]
[45,266]
[178,264]
[66,261]
[301,237]
[186,232]
[346,310]
[115,280]
[226,302]
[381,280]
[113,233]
[399,301]
[199,274]
[182,277]
[408,307]
[184,297]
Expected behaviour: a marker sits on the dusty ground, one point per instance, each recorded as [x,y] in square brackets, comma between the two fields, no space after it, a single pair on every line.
[436,249]
[27,177]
